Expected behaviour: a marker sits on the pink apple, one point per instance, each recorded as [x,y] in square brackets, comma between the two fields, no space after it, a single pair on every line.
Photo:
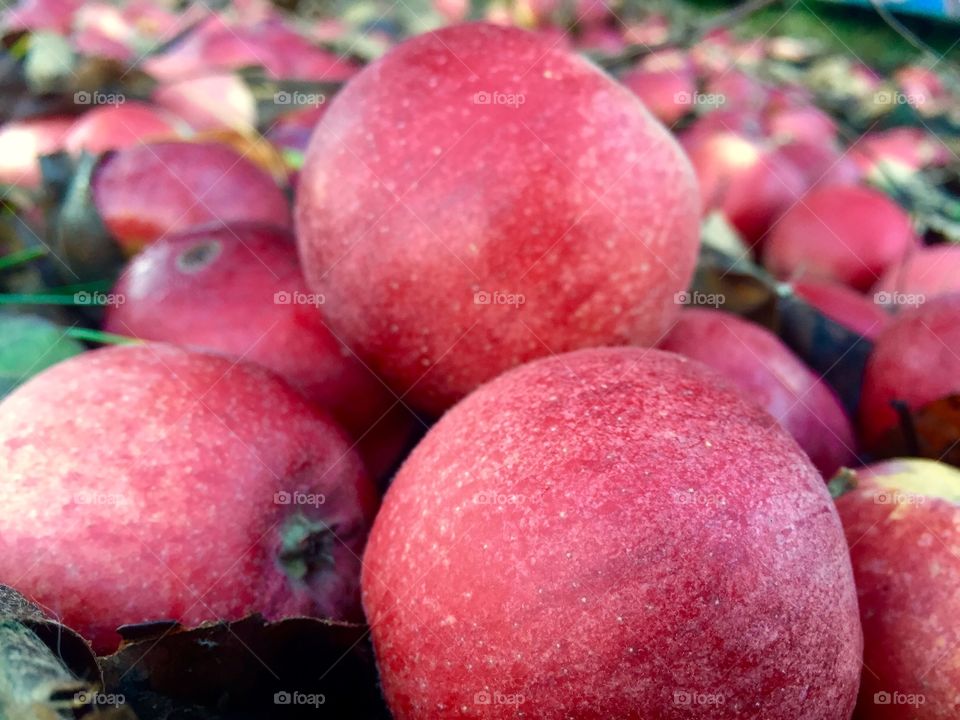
[925,272]
[611,533]
[479,197]
[177,486]
[111,127]
[237,289]
[902,521]
[856,312]
[916,360]
[147,191]
[755,360]
[847,234]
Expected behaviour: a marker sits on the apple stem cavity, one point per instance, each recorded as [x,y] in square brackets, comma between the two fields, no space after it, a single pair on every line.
[306,547]
[199,256]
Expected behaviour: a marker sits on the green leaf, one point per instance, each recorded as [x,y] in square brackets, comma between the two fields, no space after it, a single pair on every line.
[30,344]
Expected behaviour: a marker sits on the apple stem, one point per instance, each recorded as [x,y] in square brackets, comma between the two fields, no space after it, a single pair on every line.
[843,482]
[306,547]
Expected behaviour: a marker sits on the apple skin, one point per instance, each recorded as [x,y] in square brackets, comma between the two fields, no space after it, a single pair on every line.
[154,496]
[755,360]
[112,127]
[213,101]
[916,360]
[144,192]
[575,199]
[926,271]
[846,307]
[216,44]
[666,83]
[238,290]
[902,521]
[821,163]
[598,531]
[753,185]
[842,233]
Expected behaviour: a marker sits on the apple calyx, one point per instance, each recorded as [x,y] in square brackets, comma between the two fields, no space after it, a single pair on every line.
[306,547]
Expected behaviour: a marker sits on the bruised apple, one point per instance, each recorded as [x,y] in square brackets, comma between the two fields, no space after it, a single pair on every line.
[237,289]
[902,520]
[480,197]
[611,533]
[146,191]
[915,361]
[757,361]
[146,482]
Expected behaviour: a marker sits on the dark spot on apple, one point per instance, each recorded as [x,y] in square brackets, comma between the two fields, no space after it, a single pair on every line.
[306,547]
[199,256]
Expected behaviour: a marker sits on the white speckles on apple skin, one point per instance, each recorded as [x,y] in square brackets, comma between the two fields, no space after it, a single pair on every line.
[140,483]
[599,535]
[552,182]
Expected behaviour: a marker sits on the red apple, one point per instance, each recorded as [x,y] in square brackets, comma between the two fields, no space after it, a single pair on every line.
[923,89]
[738,90]
[237,289]
[902,521]
[821,163]
[806,123]
[210,102]
[666,84]
[899,152]
[111,127]
[846,234]
[925,272]
[478,198]
[752,185]
[611,533]
[740,122]
[147,482]
[37,15]
[23,142]
[217,44]
[755,360]
[916,360]
[846,307]
[147,191]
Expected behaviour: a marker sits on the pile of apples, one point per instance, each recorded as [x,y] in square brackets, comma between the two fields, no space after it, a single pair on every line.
[421,355]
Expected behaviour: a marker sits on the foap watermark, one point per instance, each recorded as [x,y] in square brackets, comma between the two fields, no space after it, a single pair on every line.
[712,100]
[895,497]
[689,698]
[296,297]
[98,97]
[695,297]
[898,698]
[894,97]
[695,497]
[513,100]
[492,497]
[899,299]
[98,298]
[91,697]
[299,99]
[498,297]
[99,497]
[296,497]
[495,697]
[298,698]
